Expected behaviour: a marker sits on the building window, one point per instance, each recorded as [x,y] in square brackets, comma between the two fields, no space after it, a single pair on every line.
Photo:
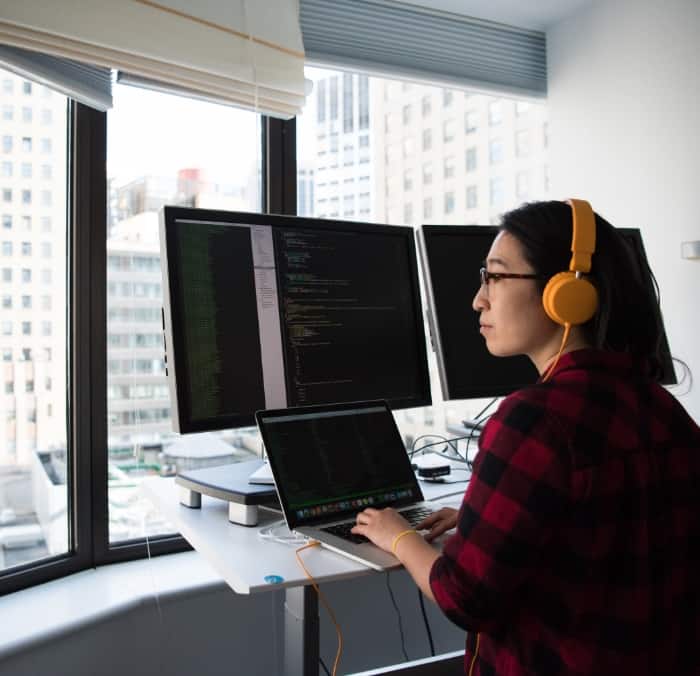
[495,151]
[26,196]
[27,144]
[522,143]
[449,167]
[545,134]
[26,169]
[46,249]
[333,98]
[471,196]
[26,87]
[428,207]
[7,248]
[546,178]
[470,159]
[408,213]
[26,114]
[6,195]
[26,275]
[321,101]
[408,179]
[496,192]
[46,116]
[522,184]
[406,114]
[7,169]
[45,146]
[427,139]
[26,248]
[495,112]
[448,131]
[8,112]
[27,302]
[348,103]
[449,202]
[447,97]
[470,121]
[7,302]
[407,147]
[363,100]
[426,105]
[7,274]
[7,221]
[45,328]
[46,171]
[6,328]
[26,328]
[7,144]
[521,108]
[427,173]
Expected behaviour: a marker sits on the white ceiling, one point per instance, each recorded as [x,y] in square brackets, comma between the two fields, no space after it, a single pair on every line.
[533,14]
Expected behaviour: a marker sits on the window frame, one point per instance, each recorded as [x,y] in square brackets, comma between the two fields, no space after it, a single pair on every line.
[88,522]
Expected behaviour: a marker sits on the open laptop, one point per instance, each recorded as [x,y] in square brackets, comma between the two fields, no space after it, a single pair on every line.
[332,461]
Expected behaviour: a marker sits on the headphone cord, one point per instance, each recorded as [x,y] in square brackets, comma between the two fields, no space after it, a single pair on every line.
[565,338]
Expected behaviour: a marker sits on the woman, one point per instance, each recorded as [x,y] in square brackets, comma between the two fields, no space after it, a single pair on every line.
[577,545]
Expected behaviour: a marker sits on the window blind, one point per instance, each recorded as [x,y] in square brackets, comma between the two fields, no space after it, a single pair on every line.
[240,52]
[396,39]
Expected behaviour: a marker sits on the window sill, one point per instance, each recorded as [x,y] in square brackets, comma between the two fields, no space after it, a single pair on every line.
[50,610]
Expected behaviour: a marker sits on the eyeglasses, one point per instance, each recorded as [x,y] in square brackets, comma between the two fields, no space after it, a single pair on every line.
[487,276]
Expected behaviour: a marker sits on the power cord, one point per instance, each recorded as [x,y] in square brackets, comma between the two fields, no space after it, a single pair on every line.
[398,614]
[427,624]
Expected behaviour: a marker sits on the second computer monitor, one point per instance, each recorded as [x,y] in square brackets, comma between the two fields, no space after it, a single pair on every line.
[451,257]
[271,311]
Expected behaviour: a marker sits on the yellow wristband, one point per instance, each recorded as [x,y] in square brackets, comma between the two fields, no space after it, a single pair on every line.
[398,537]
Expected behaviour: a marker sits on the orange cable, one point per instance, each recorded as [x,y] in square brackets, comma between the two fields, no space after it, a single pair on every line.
[476,652]
[325,603]
[565,337]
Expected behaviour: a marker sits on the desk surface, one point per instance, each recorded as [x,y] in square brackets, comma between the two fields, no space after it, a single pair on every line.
[241,556]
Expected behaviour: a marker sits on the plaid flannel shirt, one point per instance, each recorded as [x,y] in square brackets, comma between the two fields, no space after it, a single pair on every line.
[577,549]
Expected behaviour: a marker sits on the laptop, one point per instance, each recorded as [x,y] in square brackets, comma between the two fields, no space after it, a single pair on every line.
[332,461]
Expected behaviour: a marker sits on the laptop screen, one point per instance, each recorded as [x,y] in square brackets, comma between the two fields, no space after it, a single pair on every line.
[330,462]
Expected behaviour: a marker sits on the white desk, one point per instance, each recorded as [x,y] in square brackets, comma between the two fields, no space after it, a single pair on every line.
[243,559]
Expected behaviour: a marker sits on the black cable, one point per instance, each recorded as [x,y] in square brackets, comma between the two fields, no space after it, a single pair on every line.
[443,440]
[427,624]
[325,668]
[398,614]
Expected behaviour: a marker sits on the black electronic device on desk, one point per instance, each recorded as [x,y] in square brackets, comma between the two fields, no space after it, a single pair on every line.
[264,311]
[230,483]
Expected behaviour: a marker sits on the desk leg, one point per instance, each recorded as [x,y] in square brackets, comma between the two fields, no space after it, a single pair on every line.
[301,632]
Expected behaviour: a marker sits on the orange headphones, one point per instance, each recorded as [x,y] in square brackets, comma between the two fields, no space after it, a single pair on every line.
[569,299]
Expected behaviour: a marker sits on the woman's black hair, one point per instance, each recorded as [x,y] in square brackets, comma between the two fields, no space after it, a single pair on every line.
[628,318]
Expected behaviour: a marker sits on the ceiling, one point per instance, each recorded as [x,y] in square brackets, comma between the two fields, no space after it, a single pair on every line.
[532,14]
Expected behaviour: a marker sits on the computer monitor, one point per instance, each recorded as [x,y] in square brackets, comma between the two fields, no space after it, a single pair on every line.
[277,311]
[451,257]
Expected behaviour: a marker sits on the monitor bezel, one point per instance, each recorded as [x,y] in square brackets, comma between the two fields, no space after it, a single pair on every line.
[174,342]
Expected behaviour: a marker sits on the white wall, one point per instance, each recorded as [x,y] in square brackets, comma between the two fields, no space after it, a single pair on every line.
[624,102]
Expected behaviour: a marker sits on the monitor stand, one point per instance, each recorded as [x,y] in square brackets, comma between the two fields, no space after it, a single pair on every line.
[230,483]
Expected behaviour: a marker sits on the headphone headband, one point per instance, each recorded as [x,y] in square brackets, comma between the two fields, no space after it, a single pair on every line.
[583,236]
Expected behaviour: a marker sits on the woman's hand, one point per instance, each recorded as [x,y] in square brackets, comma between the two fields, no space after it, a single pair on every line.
[380,526]
[438,523]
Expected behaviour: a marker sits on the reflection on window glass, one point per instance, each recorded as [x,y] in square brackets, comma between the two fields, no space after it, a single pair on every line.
[162,150]
[34,481]
[430,155]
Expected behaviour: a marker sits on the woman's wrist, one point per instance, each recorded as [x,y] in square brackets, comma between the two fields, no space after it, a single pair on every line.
[397,538]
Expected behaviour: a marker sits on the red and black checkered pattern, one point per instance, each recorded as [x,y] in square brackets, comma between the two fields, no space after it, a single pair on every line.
[577,548]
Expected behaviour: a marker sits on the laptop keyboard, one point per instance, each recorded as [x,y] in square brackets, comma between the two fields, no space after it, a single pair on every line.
[414,516]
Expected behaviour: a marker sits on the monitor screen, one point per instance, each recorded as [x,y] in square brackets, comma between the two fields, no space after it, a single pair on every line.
[451,257]
[276,311]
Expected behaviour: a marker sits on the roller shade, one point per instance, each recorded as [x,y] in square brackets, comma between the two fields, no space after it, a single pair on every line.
[88,84]
[395,39]
[241,52]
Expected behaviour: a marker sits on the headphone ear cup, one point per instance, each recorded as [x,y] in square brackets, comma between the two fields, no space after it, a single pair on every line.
[568,300]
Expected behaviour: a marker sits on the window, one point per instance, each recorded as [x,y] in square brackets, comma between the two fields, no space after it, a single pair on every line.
[546,178]
[521,108]
[471,197]
[427,139]
[427,173]
[46,171]
[496,188]
[470,121]
[447,97]
[7,248]
[545,134]
[406,114]
[7,302]
[6,195]
[408,179]
[6,328]
[348,121]
[26,328]
[26,248]
[470,159]
[522,143]
[45,146]
[46,249]
[7,222]
[321,100]
[26,275]
[426,105]
[26,87]
[141,126]
[407,147]
[449,167]
[8,112]
[522,184]
[449,202]
[26,302]
[27,144]
[7,144]
[46,116]
[26,114]
[448,131]
[7,169]
[26,169]
[407,212]
[495,113]
[495,151]
[333,96]
[26,197]
[428,207]
[7,274]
